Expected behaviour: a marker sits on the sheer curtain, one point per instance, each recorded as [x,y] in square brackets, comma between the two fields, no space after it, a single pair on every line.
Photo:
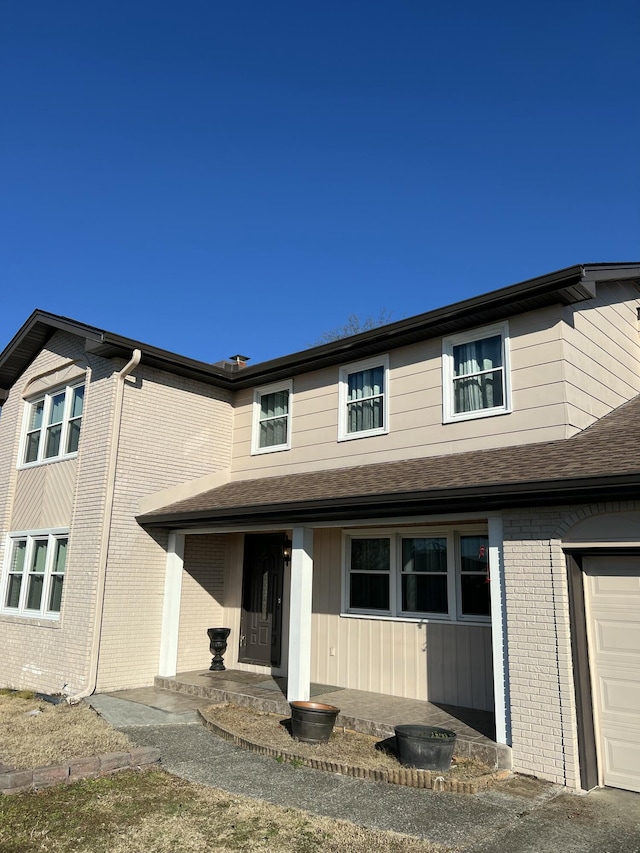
[274,414]
[365,399]
[478,375]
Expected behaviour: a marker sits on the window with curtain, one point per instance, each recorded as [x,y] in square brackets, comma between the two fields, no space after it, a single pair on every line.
[33,579]
[271,418]
[53,425]
[475,374]
[363,399]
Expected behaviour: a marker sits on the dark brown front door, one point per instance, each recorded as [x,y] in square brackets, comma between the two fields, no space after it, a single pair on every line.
[261,618]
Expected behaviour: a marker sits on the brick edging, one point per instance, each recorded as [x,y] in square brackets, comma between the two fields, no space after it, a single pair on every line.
[14,781]
[406,776]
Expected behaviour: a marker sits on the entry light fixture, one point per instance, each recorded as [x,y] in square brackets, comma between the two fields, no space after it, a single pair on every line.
[286,550]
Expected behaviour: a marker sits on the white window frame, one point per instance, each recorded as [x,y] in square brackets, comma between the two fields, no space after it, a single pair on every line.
[31,537]
[454,573]
[449,415]
[343,391]
[258,393]
[47,399]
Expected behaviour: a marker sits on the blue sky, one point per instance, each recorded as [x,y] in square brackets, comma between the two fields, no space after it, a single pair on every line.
[231,177]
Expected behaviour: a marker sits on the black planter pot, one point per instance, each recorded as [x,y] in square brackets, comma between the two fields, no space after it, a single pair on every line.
[312,722]
[425,747]
[217,647]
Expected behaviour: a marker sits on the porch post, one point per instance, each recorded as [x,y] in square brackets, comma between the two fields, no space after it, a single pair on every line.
[299,674]
[171,605]
[502,699]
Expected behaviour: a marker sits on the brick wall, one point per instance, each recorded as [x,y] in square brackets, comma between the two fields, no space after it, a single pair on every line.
[539,639]
[201,604]
[42,654]
[173,430]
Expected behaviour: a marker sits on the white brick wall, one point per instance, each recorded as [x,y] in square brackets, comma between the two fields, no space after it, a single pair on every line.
[201,605]
[46,655]
[539,639]
[173,430]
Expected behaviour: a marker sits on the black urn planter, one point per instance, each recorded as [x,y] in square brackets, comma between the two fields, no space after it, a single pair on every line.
[217,647]
[425,747]
[312,722]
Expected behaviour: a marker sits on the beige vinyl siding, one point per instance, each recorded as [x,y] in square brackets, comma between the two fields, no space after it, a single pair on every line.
[44,496]
[601,353]
[201,603]
[415,408]
[448,663]
[173,430]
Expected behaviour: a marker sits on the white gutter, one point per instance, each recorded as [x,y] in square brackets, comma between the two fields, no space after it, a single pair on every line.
[106,526]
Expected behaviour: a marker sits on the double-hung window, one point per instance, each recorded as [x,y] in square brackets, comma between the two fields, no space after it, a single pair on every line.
[34,574]
[417,574]
[364,399]
[52,425]
[272,418]
[475,374]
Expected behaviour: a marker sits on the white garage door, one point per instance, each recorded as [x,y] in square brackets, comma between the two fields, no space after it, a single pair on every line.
[613,607]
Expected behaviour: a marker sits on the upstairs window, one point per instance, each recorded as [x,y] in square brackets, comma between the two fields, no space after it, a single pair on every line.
[272,418]
[363,394]
[475,371]
[53,425]
[35,569]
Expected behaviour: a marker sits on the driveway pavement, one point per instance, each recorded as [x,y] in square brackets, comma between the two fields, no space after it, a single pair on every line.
[519,816]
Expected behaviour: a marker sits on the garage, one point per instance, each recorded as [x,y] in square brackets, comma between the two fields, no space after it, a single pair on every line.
[612,598]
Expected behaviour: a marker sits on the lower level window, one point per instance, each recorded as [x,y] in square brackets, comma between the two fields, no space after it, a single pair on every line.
[401,573]
[34,574]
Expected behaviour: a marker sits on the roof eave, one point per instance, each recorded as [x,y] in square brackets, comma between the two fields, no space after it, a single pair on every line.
[421,502]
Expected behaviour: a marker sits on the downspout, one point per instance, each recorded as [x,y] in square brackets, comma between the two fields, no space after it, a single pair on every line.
[106,527]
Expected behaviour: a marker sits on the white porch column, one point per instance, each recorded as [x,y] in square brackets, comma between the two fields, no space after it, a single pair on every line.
[502,698]
[299,672]
[171,605]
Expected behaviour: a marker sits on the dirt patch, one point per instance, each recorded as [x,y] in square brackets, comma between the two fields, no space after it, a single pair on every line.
[37,733]
[344,746]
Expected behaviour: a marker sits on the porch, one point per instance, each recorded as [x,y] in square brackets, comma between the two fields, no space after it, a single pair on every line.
[372,713]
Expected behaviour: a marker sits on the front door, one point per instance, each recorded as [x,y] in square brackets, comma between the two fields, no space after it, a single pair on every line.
[261,616]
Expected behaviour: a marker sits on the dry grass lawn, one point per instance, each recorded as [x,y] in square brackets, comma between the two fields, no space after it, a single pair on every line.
[37,733]
[344,746]
[153,812]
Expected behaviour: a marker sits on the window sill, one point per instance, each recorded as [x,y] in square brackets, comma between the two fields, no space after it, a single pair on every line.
[473,416]
[33,621]
[443,620]
[364,434]
[259,451]
[23,466]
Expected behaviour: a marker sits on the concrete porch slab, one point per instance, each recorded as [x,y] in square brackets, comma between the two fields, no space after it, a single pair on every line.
[371,713]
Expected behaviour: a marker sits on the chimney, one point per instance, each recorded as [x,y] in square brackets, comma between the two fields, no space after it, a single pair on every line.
[233,363]
[238,361]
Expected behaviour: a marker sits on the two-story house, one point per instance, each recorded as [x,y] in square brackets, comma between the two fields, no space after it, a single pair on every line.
[446,508]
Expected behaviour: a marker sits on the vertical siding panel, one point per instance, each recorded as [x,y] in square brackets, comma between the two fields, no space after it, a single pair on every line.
[460,640]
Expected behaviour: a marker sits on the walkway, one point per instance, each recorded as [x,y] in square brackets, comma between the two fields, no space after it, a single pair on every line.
[519,816]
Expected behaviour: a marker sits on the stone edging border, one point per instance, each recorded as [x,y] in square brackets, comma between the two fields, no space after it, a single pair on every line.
[14,781]
[406,776]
